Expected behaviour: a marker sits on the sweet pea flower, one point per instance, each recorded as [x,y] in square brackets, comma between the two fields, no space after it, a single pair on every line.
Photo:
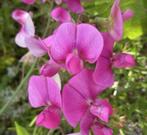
[80,104]
[60,15]
[26,36]
[117,18]
[72,44]
[45,91]
[103,74]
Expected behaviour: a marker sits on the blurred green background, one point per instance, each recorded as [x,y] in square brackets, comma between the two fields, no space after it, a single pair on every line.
[128,96]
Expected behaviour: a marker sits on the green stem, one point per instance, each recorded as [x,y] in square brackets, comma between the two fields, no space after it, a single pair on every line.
[17,89]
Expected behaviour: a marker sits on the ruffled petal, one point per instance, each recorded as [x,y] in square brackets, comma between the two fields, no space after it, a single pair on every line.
[60,15]
[123,60]
[74,5]
[49,118]
[89,42]
[74,105]
[27,26]
[116,29]
[103,74]
[63,42]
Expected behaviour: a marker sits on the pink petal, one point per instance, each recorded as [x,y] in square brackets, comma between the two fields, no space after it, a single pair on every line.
[64,41]
[89,42]
[116,29]
[75,134]
[35,46]
[74,105]
[27,26]
[58,2]
[103,74]
[60,15]
[84,84]
[101,109]
[43,91]
[49,118]
[75,5]
[28,1]
[74,64]
[86,123]
[108,45]
[128,14]
[123,60]
[99,129]
[50,68]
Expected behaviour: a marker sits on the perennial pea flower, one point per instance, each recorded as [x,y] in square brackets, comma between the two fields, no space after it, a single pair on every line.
[26,36]
[61,15]
[45,91]
[80,105]
[117,18]
[71,44]
[103,74]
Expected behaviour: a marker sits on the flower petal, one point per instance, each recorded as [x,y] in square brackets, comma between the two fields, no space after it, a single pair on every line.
[89,42]
[116,29]
[103,74]
[128,14]
[84,84]
[49,118]
[27,26]
[74,105]
[74,64]
[123,60]
[63,41]
[43,91]
[74,5]
[60,15]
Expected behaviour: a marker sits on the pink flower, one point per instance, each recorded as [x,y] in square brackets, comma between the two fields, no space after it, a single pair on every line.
[103,74]
[26,36]
[45,91]
[128,14]
[74,5]
[80,103]
[71,44]
[60,15]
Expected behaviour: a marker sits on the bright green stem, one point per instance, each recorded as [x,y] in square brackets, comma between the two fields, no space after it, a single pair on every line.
[18,89]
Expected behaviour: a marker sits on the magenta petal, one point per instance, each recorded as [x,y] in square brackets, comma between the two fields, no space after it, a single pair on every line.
[74,105]
[86,123]
[108,45]
[28,1]
[99,129]
[60,15]
[35,46]
[75,5]
[50,68]
[74,64]
[43,91]
[116,29]
[128,14]
[103,74]
[63,41]
[84,84]
[49,118]
[89,42]
[27,26]
[123,60]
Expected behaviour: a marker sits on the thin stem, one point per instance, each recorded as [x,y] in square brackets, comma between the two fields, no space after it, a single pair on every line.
[18,89]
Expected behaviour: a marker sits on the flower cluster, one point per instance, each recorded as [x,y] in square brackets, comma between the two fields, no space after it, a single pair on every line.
[69,47]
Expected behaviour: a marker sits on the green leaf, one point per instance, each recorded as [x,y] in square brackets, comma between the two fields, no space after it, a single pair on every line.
[20,130]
